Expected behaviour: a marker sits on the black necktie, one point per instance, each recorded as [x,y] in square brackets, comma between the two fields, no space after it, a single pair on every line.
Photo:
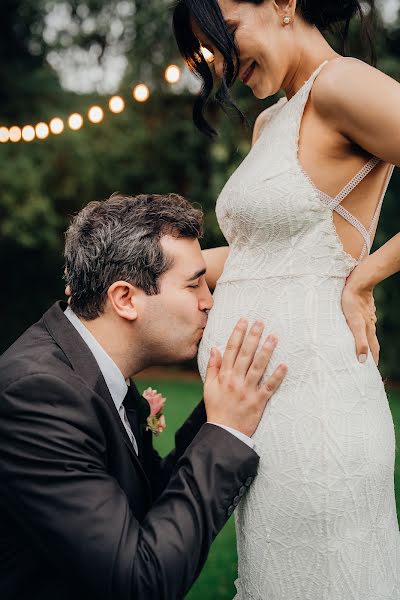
[132,416]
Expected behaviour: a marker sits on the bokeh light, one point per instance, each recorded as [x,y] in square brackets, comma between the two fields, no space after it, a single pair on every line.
[173,74]
[4,135]
[42,131]
[28,133]
[141,93]
[15,133]
[96,114]
[116,104]
[75,121]
[209,56]
[56,126]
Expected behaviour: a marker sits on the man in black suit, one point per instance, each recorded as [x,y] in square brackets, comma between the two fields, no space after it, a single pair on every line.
[88,509]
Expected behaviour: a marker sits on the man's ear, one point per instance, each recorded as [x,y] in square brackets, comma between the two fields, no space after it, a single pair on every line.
[124,299]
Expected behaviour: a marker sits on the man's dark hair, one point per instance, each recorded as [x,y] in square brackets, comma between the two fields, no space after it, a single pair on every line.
[119,240]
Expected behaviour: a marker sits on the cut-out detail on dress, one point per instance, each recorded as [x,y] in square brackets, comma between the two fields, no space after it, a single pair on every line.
[335,203]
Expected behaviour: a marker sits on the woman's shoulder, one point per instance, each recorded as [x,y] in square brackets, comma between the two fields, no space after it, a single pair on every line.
[265,116]
[342,82]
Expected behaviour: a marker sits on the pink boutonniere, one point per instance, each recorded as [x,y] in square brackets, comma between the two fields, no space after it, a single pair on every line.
[156,420]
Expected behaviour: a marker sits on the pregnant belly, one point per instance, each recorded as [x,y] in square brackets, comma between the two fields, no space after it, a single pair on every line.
[307,318]
[329,404]
[326,387]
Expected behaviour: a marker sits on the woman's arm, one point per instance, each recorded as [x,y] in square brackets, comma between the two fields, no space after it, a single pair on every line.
[215,260]
[358,301]
[364,104]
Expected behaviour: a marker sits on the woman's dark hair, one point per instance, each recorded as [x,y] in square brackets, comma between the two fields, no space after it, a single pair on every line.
[330,16]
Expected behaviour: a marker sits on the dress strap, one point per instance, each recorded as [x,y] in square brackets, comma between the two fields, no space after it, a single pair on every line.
[378,209]
[346,191]
[335,203]
[329,202]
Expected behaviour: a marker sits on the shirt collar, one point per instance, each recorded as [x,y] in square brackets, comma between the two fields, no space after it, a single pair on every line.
[112,375]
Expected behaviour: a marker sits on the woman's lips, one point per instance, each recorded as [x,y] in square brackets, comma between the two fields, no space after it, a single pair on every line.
[248,73]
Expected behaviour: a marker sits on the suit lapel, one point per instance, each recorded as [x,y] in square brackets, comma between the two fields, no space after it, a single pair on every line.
[83,362]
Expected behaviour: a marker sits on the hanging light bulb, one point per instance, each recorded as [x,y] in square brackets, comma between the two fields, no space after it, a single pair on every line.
[141,93]
[56,126]
[42,131]
[28,133]
[15,134]
[173,74]
[75,121]
[116,104]
[96,114]
[4,135]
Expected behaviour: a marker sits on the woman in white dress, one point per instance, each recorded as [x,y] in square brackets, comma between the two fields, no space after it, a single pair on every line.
[300,214]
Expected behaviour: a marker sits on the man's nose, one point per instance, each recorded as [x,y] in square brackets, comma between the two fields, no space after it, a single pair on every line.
[206,303]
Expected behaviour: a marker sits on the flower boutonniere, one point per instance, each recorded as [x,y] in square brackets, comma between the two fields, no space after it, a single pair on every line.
[156,420]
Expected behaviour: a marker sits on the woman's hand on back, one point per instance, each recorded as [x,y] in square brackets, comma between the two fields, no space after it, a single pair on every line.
[359,309]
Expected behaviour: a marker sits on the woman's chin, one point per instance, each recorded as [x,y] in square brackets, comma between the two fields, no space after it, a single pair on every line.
[260,92]
[263,94]
[258,95]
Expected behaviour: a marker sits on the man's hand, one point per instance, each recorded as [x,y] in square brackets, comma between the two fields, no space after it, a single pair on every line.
[232,394]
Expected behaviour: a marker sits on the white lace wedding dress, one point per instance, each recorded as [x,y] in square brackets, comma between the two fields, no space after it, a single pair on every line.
[319,522]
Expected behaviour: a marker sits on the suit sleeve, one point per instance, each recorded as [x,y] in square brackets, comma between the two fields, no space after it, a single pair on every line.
[159,470]
[56,488]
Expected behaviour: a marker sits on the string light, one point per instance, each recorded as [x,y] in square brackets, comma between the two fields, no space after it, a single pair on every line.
[173,74]
[56,126]
[75,121]
[4,135]
[28,133]
[96,114]
[15,133]
[116,104]
[141,93]
[42,131]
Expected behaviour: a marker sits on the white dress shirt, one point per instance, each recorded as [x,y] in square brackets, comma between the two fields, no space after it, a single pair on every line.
[116,382]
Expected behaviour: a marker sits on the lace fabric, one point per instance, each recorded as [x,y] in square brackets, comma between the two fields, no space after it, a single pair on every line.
[319,522]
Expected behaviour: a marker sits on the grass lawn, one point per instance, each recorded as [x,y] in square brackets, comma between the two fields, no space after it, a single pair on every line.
[216,580]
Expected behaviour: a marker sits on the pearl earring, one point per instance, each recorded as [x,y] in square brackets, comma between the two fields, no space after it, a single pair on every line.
[286,20]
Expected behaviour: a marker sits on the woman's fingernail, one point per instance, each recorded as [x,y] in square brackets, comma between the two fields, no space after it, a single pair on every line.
[362,358]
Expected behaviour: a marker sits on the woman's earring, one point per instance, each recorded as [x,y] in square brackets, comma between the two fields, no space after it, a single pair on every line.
[286,20]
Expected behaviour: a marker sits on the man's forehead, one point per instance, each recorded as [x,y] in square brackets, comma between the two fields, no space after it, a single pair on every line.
[185,253]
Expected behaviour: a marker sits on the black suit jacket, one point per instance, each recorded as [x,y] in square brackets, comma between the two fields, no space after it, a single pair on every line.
[82,517]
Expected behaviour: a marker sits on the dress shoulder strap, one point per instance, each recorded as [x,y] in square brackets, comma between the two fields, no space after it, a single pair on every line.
[301,97]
